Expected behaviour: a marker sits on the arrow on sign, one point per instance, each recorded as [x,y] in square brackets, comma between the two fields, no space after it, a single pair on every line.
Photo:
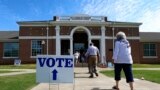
[54,74]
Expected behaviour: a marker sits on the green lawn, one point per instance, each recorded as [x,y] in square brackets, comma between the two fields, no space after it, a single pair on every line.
[18,82]
[146,65]
[150,75]
[23,66]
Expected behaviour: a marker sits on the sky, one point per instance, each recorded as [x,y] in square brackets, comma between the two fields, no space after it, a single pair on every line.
[146,12]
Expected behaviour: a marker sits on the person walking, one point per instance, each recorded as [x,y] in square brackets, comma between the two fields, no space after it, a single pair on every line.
[76,57]
[93,57]
[122,60]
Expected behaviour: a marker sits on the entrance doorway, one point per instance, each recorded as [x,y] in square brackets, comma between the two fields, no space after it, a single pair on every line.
[65,47]
[80,41]
[80,44]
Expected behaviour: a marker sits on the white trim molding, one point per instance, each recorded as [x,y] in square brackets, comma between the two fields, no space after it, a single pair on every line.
[80,27]
[37,37]
[110,37]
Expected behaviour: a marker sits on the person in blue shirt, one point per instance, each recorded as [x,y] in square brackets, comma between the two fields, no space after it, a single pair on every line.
[122,60]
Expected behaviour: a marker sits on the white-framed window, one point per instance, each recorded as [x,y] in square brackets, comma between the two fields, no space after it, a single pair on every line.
[11,49]
[149,49]
[36,47]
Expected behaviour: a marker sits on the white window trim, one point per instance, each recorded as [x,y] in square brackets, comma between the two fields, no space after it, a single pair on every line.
[33,56]
[31,48]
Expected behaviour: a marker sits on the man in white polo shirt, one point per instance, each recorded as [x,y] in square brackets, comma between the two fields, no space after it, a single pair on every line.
[93,56]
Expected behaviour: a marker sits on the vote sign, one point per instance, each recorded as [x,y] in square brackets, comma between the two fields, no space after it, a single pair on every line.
[54,69]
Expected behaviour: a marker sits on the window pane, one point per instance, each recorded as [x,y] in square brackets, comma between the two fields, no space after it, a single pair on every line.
[146,53]
[36,47]
[146,46]
[152,53]
[149,49]
[152,46]
[11,49]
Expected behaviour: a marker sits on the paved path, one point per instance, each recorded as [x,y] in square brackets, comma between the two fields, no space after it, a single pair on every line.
[19,71]
[82,82]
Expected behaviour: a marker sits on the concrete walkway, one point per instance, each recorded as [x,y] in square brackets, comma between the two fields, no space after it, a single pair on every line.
[82,82]
[16,71]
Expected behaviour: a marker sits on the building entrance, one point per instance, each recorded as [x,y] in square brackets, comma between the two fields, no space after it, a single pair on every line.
[80,43]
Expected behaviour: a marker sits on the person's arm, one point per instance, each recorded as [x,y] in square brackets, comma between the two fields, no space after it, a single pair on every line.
[87,53]
[116,50]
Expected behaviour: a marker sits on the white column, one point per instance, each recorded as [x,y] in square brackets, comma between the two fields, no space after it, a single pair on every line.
[89,40]
[71,46]
[102,49]
[58,45]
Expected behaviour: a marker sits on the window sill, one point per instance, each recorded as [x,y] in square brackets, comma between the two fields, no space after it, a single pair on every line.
[9,57]
[150,57]
[33,56]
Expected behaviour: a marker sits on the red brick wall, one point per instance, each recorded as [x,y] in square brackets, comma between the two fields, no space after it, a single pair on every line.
[52,47]
[25,50]
[66,30]
[36,31]
[129,31]
[95,30]
[25,44]
[109,49]
[134,50]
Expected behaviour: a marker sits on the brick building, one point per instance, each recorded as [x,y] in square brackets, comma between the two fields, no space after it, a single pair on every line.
[63,35]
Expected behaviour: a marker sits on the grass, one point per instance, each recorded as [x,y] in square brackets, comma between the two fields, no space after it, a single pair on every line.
[33,66]
[149,75]
[146,65]
[18,82]
[23,66]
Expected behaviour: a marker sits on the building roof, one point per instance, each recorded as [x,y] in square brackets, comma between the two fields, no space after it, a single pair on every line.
[149,36]
[76,22]
[9,36]
[79,19]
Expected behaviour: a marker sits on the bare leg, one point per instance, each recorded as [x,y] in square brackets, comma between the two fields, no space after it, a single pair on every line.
[131,85]
[117,84]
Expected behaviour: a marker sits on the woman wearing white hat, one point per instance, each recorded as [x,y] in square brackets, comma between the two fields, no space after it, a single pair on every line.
[122,60]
